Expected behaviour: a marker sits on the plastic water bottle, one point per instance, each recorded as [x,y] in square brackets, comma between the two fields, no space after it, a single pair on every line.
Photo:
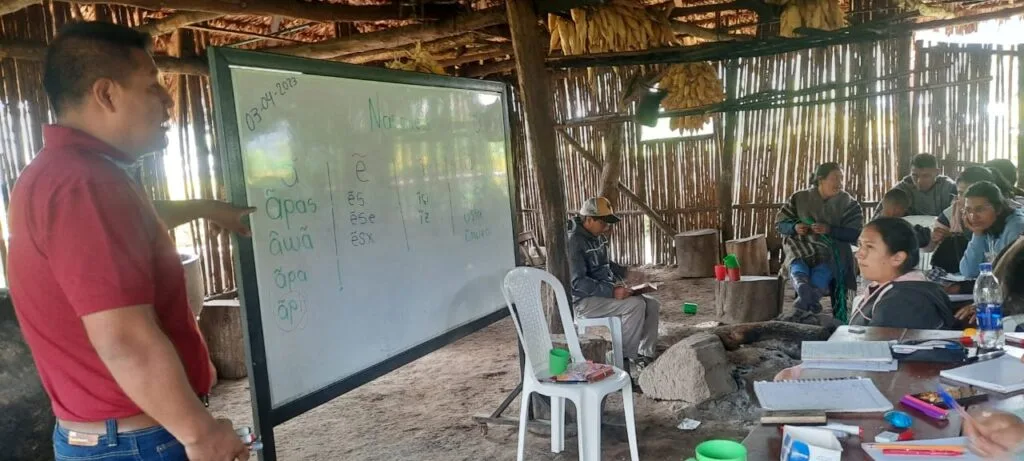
[988,298]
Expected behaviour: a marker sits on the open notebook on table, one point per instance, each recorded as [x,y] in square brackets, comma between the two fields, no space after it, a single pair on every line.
[859,395]
[848,355]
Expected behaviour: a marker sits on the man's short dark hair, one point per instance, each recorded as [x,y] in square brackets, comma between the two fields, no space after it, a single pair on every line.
[84,52]
[897,197]
[924,161]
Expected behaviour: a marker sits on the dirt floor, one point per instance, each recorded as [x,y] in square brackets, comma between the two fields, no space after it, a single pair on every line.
[423,411]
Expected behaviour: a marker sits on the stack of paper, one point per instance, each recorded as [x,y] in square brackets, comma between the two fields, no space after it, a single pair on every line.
[1004,374]
[852,395]
[848,355]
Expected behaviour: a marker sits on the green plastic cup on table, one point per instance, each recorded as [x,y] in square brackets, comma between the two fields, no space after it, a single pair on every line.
[730,261]
[558,361]
[690,308]
[720,450]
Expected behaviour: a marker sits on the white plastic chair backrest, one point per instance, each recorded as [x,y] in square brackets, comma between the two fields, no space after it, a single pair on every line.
[522,290]
[920,220]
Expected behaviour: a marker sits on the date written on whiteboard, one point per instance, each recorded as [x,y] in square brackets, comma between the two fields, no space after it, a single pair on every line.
[254,115]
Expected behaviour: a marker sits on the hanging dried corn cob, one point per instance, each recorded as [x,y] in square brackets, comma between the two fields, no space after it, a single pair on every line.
[626,25]
[418,60]
[814,14]
[691,85]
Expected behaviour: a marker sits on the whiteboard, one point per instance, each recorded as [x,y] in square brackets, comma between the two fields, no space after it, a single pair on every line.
[384,216]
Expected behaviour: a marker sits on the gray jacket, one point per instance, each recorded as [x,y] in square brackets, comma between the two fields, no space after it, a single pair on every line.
[930,203]
[591,269]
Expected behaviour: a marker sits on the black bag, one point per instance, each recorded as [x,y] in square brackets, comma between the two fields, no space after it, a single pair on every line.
[950,351]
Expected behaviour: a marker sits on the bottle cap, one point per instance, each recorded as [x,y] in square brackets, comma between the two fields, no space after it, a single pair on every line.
[985,267]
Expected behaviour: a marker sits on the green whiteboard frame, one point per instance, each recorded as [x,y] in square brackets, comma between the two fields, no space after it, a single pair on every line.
[265,415]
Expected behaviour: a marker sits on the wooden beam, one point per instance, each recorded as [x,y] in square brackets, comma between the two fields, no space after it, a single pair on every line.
[488,68]
[538,106]
[10,6]
[683,28]
[313,11]
[31,51]
[905,132]
[482,54]
[242,33]
[435,46]
[398,36]
[657,219]
[174,21]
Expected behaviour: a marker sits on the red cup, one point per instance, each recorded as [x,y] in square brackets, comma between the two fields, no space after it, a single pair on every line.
[720,272]
[733,274]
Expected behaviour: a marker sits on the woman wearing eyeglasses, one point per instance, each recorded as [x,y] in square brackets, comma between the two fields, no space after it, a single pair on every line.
[994,223]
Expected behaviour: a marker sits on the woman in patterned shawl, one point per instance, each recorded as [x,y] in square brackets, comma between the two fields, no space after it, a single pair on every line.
[818,225]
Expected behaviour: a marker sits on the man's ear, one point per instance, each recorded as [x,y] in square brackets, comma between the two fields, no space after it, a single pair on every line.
[103,92]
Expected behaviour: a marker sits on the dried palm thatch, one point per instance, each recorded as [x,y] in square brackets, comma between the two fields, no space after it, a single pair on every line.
[417,60]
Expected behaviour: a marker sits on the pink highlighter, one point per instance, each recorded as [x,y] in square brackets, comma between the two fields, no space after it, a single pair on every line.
[926,408]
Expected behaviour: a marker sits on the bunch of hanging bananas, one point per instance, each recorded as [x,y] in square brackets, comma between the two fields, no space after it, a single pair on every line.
[691,85]
[621,25]
[814,14]
[417,60]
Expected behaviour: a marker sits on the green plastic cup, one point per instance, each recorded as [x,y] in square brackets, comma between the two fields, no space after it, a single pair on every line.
[558,361]
[730,261]
[690,308]
[720,450]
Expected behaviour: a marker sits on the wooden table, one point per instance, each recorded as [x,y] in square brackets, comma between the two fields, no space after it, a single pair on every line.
[765,442]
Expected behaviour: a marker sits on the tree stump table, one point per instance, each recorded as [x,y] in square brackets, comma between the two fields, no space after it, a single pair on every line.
[221,325]
[751,299]
[752,253]
[697,252]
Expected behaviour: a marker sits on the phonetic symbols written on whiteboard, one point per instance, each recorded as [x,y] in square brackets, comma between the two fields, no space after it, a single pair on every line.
[254,115]
[281,244]
[282,209]
[361,173]
[291,311]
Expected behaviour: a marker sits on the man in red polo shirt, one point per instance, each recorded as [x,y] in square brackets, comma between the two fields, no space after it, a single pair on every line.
[96,281]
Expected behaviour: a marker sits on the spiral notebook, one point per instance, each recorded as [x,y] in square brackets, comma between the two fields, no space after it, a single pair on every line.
[859,395]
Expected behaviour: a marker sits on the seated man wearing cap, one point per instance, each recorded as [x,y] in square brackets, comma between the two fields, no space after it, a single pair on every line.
[598,285]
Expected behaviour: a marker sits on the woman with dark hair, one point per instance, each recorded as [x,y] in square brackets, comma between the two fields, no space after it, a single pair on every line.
[898,296]
[993,222]
[1007,172]
[818,226]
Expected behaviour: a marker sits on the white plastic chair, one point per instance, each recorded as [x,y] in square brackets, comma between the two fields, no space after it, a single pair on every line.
[614,325]
[522,291]
[925,264]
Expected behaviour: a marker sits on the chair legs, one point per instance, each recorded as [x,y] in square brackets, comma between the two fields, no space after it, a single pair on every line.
[627,405]
[557,424]
[588,414]
[615,325]
[524,408]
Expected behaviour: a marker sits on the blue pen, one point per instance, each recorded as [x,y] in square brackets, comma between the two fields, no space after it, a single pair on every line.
[952,403]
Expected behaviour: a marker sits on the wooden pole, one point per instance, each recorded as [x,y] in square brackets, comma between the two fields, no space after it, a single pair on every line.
[535,92]
[313,11]
[611,171]
[1020,112]
[174,21]
[31,51]
[730,147]
[435,46]
[396,36]
[904,102]
[590,158]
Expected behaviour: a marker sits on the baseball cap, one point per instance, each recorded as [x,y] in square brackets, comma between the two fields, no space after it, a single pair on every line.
[599,207]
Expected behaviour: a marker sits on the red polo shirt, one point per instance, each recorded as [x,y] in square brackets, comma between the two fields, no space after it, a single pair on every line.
[85,238]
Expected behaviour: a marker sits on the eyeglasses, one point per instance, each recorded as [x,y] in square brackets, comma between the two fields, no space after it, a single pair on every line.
[978,209]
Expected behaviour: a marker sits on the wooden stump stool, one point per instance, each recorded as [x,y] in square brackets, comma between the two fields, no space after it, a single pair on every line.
[752,253]
[221,325]
[697,253]
[751,299]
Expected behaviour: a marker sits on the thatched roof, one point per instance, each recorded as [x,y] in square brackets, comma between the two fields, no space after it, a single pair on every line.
[466,37]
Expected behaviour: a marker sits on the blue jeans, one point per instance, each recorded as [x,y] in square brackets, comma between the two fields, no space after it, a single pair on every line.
[153,444]
[820,275]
